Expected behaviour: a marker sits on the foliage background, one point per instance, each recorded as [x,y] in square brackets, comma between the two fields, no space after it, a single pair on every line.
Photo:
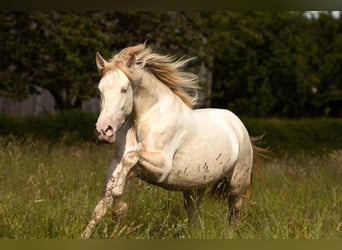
[259,64]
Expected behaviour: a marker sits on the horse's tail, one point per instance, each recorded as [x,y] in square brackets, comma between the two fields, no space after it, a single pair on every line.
[259,153]
[221,189]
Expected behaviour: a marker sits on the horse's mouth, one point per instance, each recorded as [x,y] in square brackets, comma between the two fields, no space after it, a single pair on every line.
[107,139]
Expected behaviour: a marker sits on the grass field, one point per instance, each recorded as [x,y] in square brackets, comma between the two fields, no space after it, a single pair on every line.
[48,190]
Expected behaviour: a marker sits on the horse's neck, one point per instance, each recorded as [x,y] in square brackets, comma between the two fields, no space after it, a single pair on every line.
[149,96]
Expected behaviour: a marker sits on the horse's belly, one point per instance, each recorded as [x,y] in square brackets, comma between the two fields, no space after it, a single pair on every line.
[189,174]
[205,158]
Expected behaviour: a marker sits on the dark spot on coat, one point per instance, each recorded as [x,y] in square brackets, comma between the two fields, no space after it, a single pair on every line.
[206,168]
[218,157]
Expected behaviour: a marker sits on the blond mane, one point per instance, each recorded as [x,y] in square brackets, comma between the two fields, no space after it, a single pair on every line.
[165,68]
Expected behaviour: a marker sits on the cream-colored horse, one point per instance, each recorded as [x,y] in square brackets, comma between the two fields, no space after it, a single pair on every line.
[159,137]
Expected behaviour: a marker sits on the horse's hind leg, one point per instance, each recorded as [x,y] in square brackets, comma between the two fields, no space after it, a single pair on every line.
[192,202]
[239,185]
[235,204]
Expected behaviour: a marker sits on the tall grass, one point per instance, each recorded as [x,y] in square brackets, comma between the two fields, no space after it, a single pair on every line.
[45,188]
[48,190]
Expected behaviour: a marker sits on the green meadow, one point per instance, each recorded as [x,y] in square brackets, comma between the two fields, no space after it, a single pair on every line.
[49,188]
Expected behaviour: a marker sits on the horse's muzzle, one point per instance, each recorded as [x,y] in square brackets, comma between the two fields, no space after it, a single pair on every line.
[106,134]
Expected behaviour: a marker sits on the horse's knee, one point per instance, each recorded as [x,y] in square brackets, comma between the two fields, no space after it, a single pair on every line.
[117,191]
[240,180]
[120,209]
[118,183]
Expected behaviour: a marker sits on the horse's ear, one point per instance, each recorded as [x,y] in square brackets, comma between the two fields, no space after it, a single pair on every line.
[100,62]
[131,60]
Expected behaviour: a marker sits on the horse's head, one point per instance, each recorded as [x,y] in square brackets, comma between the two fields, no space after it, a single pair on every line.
[116,96]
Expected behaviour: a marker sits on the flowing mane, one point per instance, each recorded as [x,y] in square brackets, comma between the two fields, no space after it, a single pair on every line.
[165,68]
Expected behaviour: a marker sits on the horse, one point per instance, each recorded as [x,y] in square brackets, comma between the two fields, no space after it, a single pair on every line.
[147,112]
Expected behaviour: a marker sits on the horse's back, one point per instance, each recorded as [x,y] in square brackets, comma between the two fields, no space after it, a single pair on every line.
[227,120]
[230,124]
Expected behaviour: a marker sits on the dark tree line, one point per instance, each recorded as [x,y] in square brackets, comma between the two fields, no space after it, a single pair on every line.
[254,63]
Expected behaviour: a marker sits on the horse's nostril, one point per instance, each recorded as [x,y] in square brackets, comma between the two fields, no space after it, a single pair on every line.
[104,130]
[109,128]
[108,131]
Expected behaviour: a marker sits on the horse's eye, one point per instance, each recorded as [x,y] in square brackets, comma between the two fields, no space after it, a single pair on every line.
[123,90]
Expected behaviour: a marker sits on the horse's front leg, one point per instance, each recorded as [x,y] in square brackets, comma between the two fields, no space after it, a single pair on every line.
[113,192]
[119,207]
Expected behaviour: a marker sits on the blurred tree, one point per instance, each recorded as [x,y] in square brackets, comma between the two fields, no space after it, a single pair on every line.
[68,68]
[254,63]
[287,63]
[16,77]
[326,96]
[240,73]
[53,50]
[265,68]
